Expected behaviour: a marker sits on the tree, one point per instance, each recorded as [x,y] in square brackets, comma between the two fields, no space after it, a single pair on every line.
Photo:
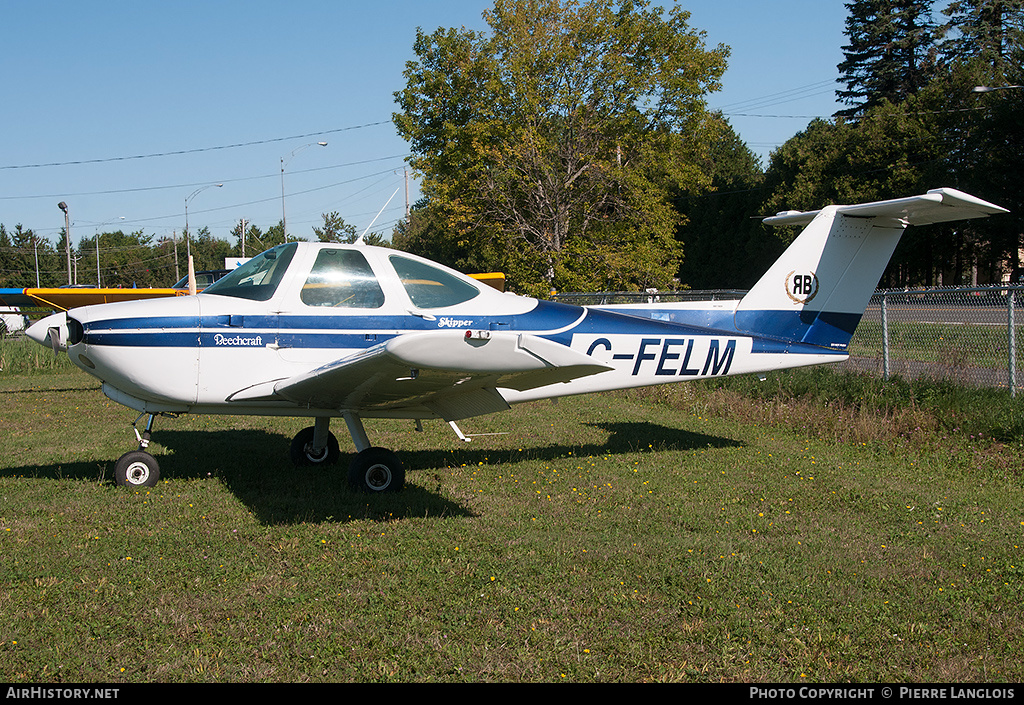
[209,252]
[984,133]
[891,54]
[990,29]
[891,151]
[726,248]
[22,254]
[127,260]
[335,229]
[553,143]
[982,138]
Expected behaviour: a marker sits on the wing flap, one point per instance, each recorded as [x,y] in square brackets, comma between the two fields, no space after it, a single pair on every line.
[446,372]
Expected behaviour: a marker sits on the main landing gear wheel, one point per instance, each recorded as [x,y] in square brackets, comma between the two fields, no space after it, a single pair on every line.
[376,470]
[136,469]
[303,454]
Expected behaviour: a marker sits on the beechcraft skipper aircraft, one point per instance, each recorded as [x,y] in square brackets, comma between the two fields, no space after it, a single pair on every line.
[354,331]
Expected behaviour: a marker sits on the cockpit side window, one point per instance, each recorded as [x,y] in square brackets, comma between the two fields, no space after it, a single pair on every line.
[429,287]
[341,278]
[258,278]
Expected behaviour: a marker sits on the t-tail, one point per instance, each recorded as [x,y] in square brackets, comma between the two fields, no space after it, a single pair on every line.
[816,292]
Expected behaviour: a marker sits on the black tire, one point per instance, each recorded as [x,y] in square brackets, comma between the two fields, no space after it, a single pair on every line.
[376,470]
[136,469]
[301,455]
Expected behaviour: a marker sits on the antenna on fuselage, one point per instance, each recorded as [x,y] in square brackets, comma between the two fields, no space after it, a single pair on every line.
[359,240]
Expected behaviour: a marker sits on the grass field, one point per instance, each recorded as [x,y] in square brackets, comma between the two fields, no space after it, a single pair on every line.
[810,528]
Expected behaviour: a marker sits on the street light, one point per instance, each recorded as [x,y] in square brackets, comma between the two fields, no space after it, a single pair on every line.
[99,285]
[188,246]
[284,222]
[67,236]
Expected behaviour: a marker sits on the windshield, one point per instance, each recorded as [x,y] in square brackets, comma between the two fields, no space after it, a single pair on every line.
[258,278]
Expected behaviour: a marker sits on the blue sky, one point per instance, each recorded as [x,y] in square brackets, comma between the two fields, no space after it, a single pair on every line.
[222,91]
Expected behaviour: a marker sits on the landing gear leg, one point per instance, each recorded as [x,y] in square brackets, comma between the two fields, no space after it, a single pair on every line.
[138,468]
[372,469]
[315,445]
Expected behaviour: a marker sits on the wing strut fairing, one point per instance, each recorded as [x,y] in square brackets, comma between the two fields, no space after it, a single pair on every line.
[454,374]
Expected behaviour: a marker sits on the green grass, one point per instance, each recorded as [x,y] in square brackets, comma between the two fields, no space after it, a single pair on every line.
[786,531]
[864,407]
[21,356]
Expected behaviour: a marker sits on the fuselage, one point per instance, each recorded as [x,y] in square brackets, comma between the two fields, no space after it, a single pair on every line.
[305,305]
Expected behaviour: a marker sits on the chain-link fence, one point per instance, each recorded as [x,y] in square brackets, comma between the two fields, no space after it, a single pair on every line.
[966,335]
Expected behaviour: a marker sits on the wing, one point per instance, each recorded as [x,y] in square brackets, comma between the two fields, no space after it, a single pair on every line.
[451,374]
[67,299]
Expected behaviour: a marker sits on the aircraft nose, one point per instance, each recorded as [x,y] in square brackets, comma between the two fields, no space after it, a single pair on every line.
[51,331]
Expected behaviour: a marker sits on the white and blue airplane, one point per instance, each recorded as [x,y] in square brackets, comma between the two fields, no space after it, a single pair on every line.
[353,331]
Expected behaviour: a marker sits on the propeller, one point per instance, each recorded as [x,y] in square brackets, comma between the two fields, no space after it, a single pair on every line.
[54,336]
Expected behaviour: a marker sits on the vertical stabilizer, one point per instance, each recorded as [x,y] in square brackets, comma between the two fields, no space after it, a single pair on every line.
[817,291]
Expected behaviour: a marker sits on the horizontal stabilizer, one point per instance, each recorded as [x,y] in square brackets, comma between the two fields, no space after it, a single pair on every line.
[937,206]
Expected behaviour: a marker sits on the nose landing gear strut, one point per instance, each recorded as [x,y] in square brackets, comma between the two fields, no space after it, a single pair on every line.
[137,468]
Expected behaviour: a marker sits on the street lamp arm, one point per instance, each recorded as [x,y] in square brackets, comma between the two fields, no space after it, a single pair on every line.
[188,245]
[284,219]
[989,89]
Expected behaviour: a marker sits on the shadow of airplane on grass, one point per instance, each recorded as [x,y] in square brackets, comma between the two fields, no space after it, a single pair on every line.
[278,493]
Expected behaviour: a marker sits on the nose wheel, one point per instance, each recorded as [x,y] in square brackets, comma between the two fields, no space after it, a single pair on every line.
[138,468]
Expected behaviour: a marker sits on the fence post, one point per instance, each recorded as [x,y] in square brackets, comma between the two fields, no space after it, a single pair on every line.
[1012,340]
[885,336]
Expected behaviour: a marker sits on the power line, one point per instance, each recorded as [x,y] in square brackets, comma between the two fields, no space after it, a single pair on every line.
[195,150]
[787,96]
[233,206]
[141,189]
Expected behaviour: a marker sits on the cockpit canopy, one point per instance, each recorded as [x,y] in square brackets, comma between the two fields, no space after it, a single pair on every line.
[344,278]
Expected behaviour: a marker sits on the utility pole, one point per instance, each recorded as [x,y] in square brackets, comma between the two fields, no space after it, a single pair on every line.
[67,236]
[242,234]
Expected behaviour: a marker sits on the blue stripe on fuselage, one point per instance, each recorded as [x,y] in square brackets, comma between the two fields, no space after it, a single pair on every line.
[361,331]
[828,329]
